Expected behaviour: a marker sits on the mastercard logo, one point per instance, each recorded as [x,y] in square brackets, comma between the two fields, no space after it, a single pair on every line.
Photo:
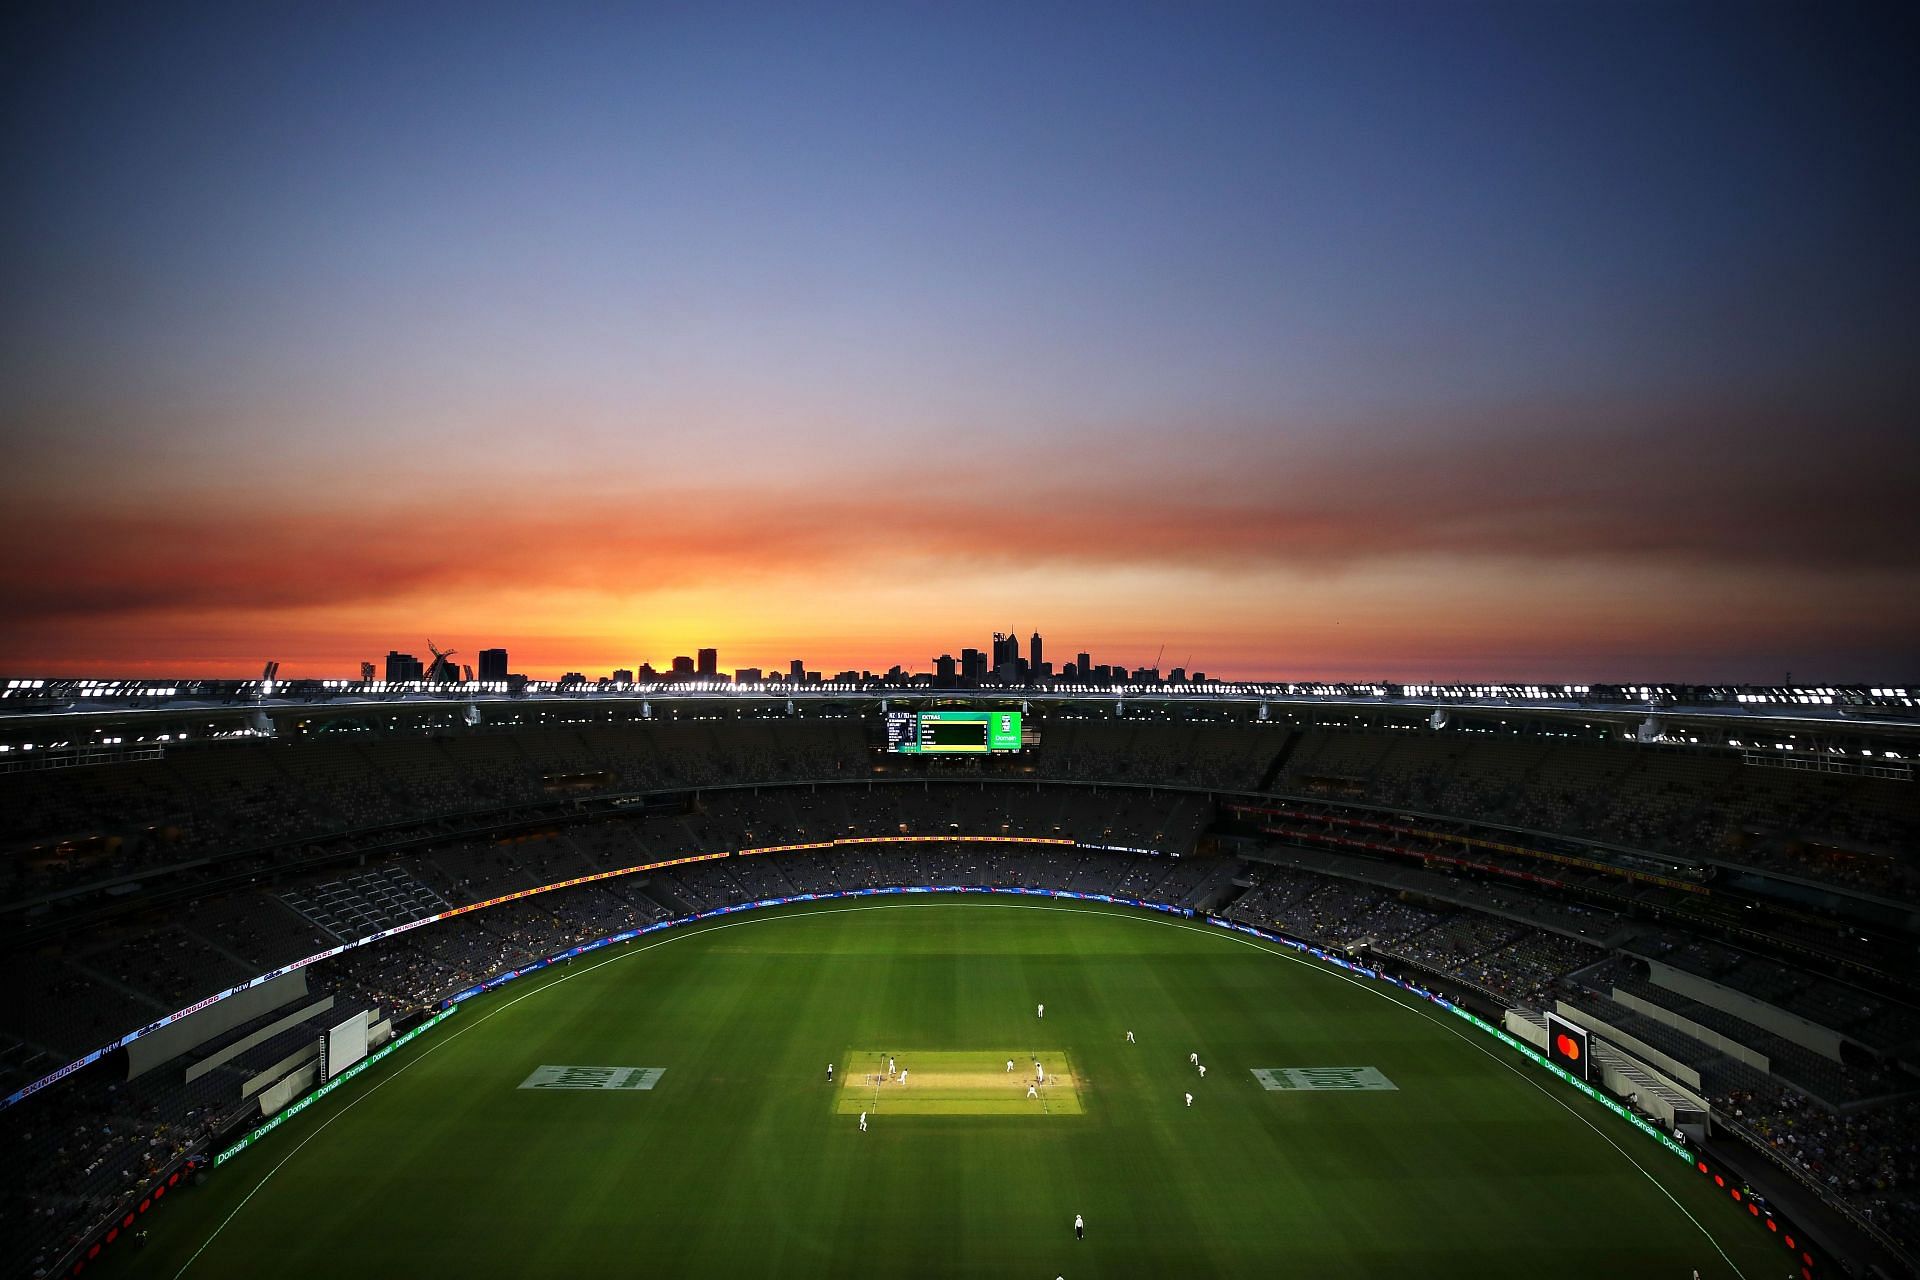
[1566,1046]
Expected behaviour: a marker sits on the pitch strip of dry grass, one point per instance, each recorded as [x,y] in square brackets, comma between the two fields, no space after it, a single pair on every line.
[965,1082]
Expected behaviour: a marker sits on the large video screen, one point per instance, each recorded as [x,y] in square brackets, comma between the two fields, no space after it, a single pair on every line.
[952,732]
[1567,1045]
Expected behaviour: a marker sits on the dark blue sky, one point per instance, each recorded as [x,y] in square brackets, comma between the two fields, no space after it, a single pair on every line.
[1309,264]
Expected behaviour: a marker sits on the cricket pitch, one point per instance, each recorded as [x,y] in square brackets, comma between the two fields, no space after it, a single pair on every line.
[967,1082]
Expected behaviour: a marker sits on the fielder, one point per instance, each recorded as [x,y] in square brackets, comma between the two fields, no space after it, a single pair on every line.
[1189,1103]
[1079,1227]
[829,1073]
[903,1077]
[863,1115]
[1031,1091]
[1193,1059]
[1009,1066]
[1203,1071]
[1040,1012]
[1129,1037]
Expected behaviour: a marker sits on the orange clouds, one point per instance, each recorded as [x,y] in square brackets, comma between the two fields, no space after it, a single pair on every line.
[1505,556]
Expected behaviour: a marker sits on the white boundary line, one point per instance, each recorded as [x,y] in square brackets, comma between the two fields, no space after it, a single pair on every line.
[1528,1077]
[1153,917]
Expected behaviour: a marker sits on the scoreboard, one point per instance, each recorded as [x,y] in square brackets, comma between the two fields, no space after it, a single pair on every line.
[952,732]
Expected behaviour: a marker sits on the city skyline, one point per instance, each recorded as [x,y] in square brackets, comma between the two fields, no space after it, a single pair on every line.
[1003,662]
[1356,342]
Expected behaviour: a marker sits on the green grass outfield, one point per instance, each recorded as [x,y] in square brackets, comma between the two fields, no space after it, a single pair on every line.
[739,1162]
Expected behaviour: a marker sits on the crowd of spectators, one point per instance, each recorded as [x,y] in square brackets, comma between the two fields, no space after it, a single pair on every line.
[1870,1160]
[226,805]
[256,804]
[1678,802]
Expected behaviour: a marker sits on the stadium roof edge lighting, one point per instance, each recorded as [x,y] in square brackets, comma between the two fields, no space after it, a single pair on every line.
[1856,705]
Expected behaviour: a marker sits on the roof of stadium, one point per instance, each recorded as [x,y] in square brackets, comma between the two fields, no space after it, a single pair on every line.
[1831,721]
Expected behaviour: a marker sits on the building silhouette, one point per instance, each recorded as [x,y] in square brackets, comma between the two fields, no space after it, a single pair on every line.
[973,666]
[493,664]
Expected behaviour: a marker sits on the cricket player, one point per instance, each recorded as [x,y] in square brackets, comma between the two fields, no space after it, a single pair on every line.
[863,1115]
[1189,1099]
[1193,1059]
[1203,1071]
[829,1073]
[889,1064]
[1040,1012]
[1079,1227]
[1129,1037]
[903,1077]
[1031,1091]
[1041,1072]
[1009,1065]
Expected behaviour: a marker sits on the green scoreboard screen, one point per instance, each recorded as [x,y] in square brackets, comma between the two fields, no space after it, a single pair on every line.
[942,732]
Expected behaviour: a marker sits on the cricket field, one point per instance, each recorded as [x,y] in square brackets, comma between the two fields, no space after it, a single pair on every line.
[663,1108]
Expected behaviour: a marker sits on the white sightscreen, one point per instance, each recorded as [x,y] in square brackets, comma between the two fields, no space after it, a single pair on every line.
[346,1044]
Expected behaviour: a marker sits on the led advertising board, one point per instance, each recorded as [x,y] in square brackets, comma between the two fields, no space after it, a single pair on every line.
[1567,1046]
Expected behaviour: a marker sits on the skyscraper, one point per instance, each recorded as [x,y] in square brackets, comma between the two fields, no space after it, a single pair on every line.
[1084,662]
[709,663]
[943,669]
[683,667]
[1033,655]
[797,672]
[973,666]
[493,664]
[1006,654]
[403,666]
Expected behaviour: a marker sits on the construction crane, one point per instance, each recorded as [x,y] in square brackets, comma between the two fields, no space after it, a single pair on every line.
[441,670]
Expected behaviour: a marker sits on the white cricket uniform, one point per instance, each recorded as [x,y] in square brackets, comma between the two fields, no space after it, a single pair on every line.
[1009,1064]
[1040,1073]
[903,1077]
[863,1122]
[1129,1037]
[1032,1092]
[1203,1071]
[1040,1012]
[1189,1099]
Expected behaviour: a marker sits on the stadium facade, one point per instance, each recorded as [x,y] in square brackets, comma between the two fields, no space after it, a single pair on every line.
[1715,885]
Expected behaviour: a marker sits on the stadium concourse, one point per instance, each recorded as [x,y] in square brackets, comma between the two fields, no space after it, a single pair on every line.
[1743,932]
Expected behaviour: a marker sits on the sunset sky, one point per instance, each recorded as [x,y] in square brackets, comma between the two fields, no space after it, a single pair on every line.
[1531,341]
